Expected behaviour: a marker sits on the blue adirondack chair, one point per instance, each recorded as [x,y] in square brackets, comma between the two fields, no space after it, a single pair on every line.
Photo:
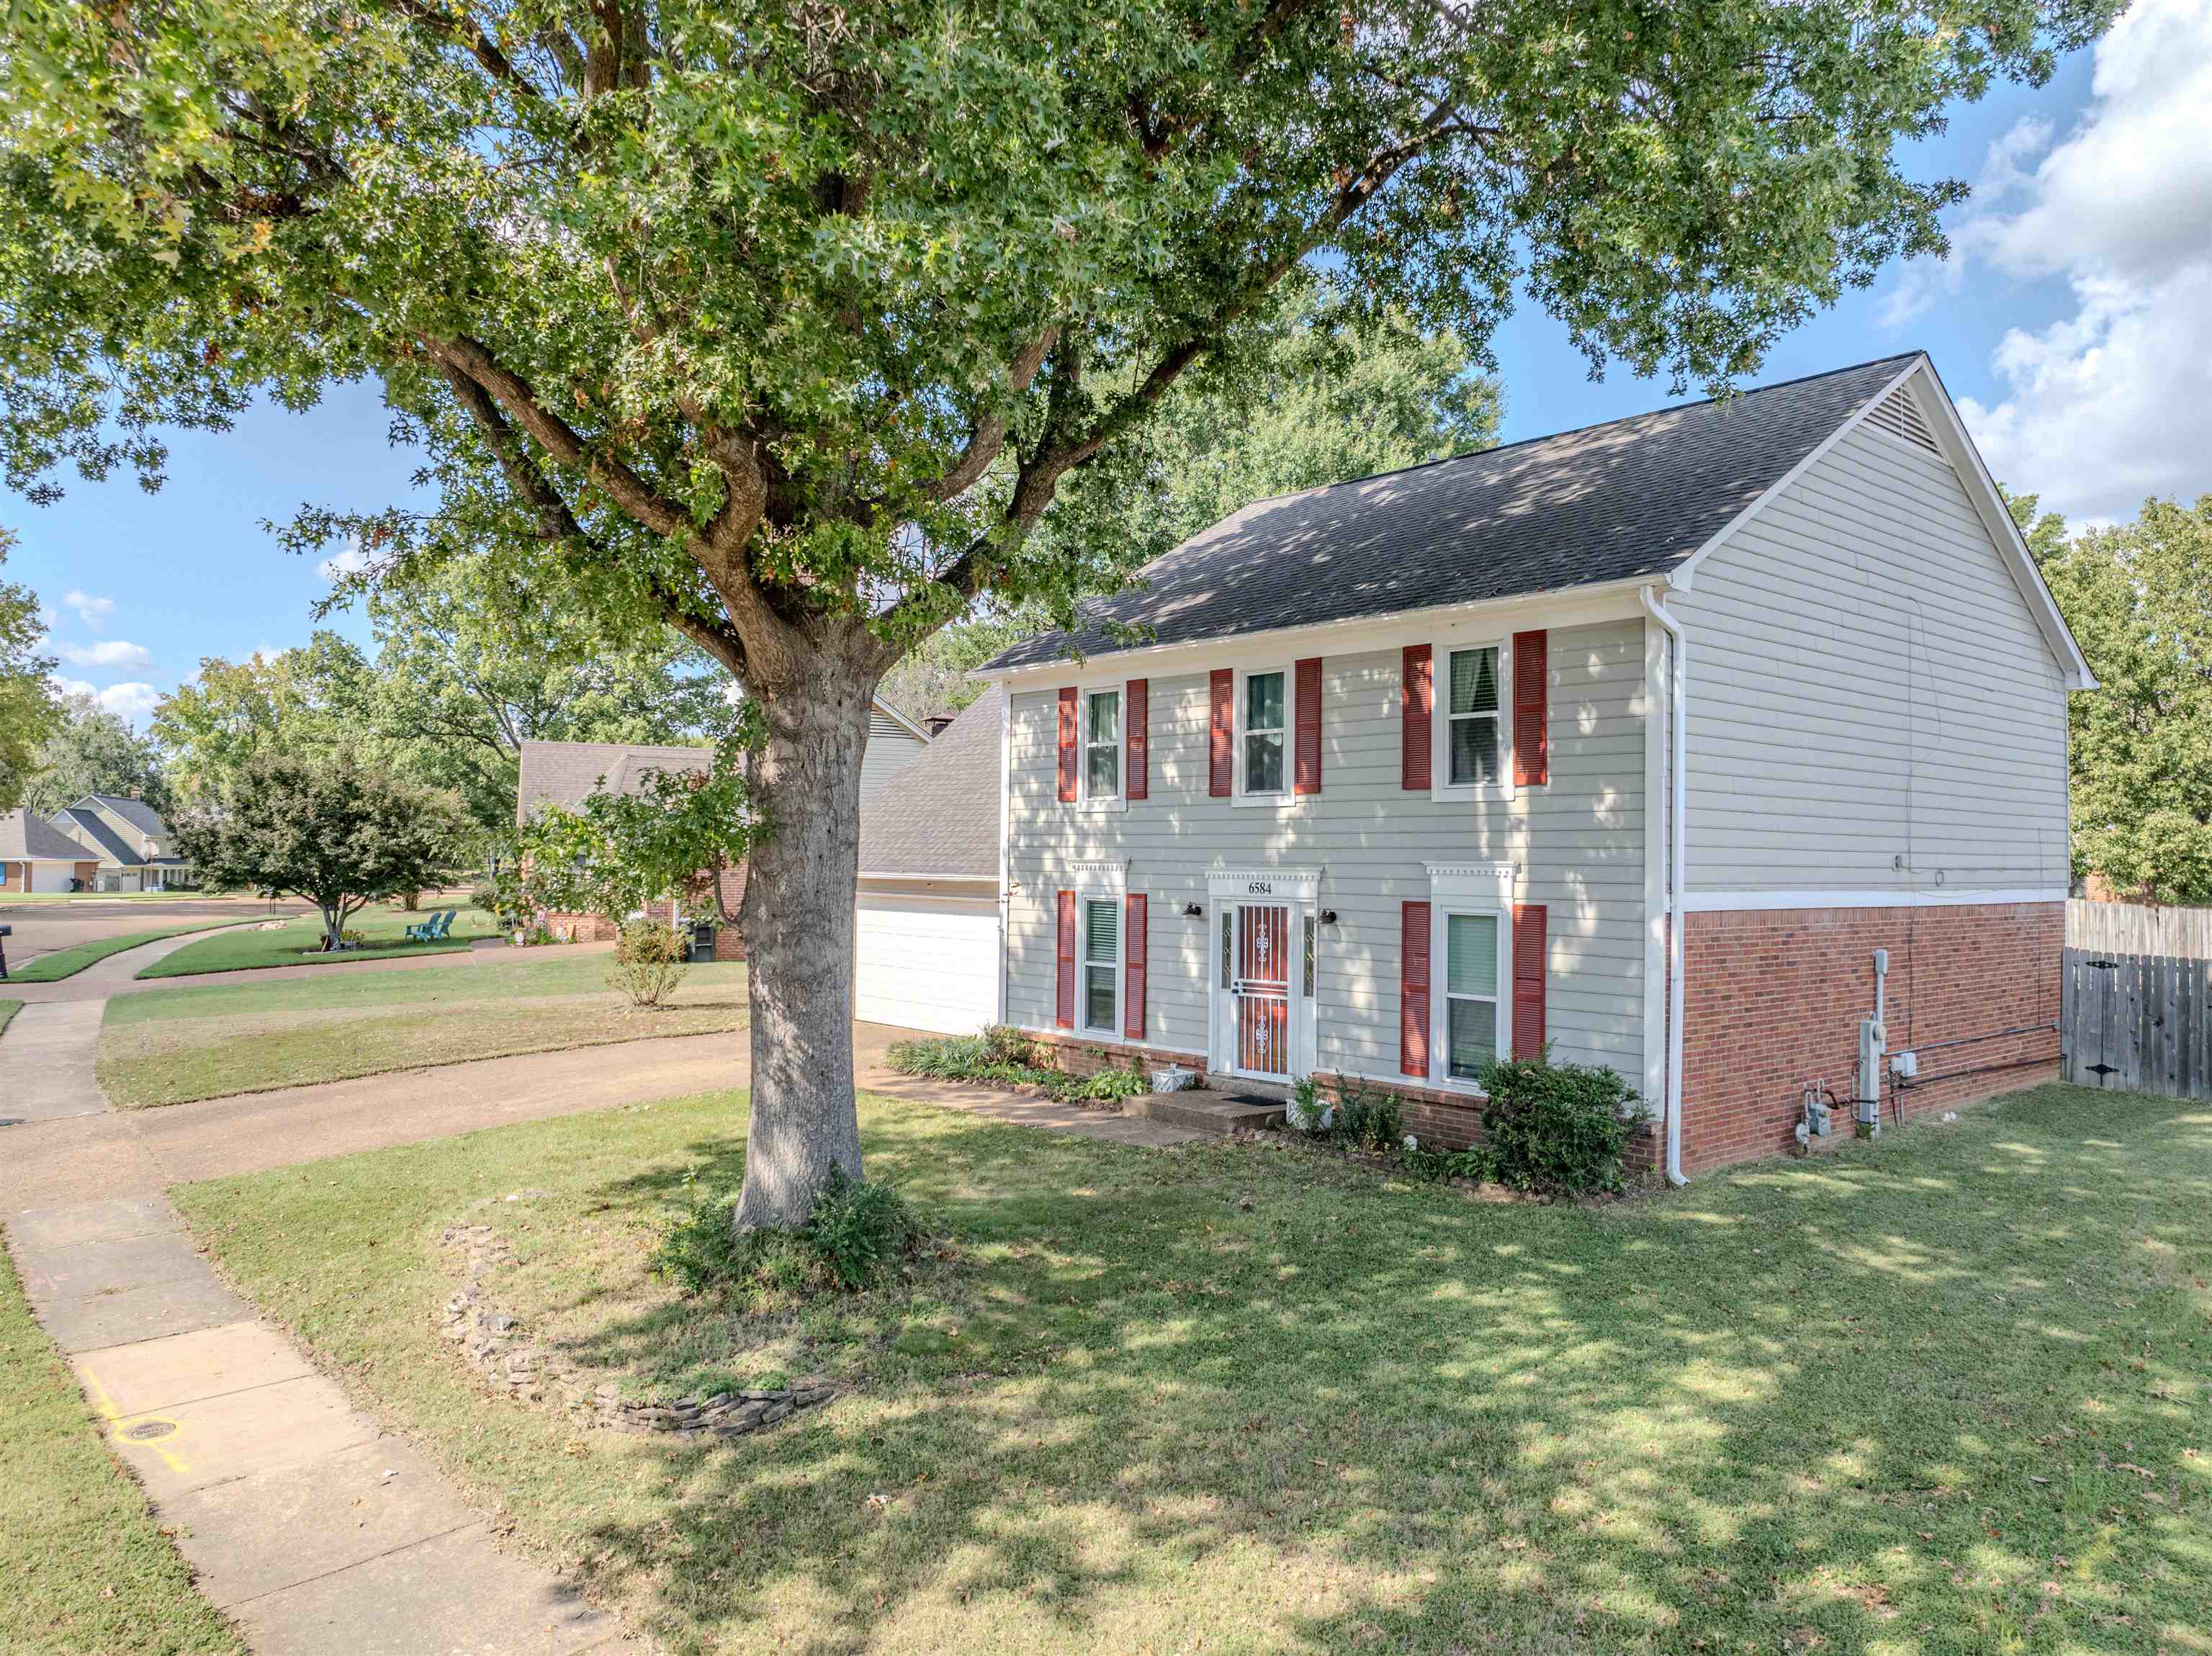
[435,927]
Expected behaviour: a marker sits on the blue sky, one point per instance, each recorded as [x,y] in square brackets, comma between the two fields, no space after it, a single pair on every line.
[2073,324]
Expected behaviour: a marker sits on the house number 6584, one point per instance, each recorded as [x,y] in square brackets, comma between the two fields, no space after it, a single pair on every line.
[1260,889]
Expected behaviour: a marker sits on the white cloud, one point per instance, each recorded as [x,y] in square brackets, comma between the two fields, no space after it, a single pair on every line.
[2114,401]
[92,611]
[114,652]
[351,561]
[128,702]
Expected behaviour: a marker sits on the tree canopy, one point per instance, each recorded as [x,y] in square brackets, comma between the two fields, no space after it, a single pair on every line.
[2138,596]
[330,830]
[28,707]
[91,750]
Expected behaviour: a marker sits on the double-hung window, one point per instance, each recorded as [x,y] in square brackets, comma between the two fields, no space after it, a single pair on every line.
[1102,745]
[1473,753]
[1471,957]
[1267,709]
[1102,965]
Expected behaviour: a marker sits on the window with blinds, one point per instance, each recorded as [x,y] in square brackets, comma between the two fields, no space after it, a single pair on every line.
[1265,705]
[1471,714]
[1102,745]
[1101,964]
[1470,994]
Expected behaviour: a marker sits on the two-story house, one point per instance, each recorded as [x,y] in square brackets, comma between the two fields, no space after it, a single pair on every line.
[1635,743]
[135,849]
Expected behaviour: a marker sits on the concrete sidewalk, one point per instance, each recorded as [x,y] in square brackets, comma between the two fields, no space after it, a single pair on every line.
[312,1529]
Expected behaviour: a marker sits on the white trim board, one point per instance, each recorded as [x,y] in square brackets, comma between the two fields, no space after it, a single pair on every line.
[1714,903]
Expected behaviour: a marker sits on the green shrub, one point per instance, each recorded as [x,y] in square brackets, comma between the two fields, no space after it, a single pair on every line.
[1365,1119]
[1306,1111]
[1111,1085]
[484,895]
[858,1228]
[1008,1058]
[648,961]
[1004,1044]
[1477,1161]
[1557,1128]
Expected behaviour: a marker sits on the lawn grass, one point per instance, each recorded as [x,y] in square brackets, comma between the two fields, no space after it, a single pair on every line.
[171,1046]
[8,1010]
[87,1568]
[61,963]
[299,944]
[1945,1393]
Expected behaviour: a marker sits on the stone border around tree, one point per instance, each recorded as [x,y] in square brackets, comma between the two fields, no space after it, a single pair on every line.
[496,1344]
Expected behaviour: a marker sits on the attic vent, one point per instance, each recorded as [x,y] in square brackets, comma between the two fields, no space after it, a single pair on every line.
[883,724]
[1900,415]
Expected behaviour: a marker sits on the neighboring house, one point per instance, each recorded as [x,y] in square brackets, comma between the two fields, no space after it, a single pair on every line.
[926,921]
[135,848]
[568,773]
[1440,764]
[36,856]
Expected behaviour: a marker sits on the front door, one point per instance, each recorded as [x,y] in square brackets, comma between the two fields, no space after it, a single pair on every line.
[1259,990]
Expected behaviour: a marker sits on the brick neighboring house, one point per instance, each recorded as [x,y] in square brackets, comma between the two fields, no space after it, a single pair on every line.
[568,773]
[35,856]
[1635,743]
[137,850]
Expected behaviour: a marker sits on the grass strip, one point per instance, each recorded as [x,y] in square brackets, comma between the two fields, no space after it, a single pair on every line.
[68,963]
[299,944]
[8,1010]
[87,1569]
[1944,1392]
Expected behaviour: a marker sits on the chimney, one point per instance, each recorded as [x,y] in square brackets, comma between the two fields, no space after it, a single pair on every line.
[937,722]
[132,790]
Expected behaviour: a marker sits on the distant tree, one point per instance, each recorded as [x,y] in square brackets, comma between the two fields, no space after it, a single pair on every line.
[2138,596]
[328,830]
[615,853]
[303,701]
[92,750]
[467,668]
[933,677]
[28,707]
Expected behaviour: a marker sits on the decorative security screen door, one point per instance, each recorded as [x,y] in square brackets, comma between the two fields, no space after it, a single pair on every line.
[1260,981]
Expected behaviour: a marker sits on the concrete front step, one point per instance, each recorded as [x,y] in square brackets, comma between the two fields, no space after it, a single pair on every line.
[1207,1113]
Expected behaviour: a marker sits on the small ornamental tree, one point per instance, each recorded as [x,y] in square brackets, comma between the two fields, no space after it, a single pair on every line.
[787,325]
[330,831]
[615,853]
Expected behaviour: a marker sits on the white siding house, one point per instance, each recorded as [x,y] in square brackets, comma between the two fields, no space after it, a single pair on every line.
[1390,787]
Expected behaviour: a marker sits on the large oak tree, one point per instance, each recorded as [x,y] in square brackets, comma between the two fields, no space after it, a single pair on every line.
[787,323]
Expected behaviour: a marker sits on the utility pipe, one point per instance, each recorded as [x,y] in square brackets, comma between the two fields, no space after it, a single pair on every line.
[1677,838]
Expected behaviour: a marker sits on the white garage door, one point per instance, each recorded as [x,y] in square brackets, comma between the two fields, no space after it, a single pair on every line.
[926,962]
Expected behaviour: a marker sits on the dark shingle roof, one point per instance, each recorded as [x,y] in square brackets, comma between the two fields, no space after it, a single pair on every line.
[137,812]
[112,845]
[940,814]
[568,773]
[22,834]
[1627,499]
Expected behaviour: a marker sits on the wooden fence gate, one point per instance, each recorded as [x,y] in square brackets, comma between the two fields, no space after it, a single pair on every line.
[2135,1005]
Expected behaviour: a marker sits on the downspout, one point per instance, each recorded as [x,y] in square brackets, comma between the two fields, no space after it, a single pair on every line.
[1677,839]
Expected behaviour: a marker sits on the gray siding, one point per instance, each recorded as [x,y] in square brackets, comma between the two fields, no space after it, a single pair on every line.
[1579,840]
[891,748]
[1866,683]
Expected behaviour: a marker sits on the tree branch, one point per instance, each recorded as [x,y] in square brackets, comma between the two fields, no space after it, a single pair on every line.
[988,438]
[465,32]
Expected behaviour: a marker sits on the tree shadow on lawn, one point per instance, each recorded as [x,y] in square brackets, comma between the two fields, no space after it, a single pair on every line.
[1811,1405]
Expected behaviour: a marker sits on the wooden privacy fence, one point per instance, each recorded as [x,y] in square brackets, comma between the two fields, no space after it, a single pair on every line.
[2135,1004]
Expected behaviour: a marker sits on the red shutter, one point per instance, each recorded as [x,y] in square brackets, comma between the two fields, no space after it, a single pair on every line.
[1133,968]
[1067,755]
[1136,698]
[1529,955]
[1221,769]
[1308,674]
[1532,708]
[1413,990]
[1414,734]
[1064,1009]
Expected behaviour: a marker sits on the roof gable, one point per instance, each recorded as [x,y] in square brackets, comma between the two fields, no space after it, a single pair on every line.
[1627,501]
[133,813]
[23,835]
[940,814]
[88,826]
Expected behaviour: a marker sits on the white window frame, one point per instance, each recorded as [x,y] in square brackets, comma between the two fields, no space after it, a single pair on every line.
[1441,787]
[1086,800]
[1101,884]
[1466,889]
[1286,794]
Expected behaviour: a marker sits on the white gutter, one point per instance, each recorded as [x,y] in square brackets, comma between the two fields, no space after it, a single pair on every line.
[1677,837]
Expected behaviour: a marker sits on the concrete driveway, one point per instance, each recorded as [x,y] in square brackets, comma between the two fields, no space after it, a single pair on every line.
[41,928]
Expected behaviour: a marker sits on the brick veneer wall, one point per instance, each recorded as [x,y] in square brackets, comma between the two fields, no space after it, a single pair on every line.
[1774,999]
[729,940]
[1086,1055]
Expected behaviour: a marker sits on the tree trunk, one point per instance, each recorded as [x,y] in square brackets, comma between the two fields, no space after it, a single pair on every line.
[798,921]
